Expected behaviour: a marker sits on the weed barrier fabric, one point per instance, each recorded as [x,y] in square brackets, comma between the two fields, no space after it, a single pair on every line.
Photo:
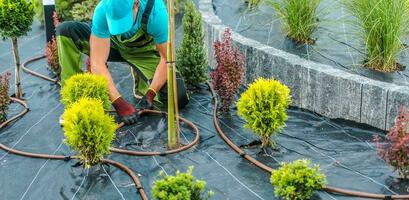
[336,44]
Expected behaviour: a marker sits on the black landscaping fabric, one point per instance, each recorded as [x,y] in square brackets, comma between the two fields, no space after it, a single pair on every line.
[336,43]
[345,151]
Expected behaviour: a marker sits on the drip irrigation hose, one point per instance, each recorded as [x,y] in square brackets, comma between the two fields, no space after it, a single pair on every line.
[269,169]
[26,109]
[29,71]
[173,151]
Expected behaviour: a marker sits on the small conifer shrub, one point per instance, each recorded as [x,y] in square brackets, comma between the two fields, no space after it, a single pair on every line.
[395,149]
[229,73]
[85,85]
[4,96]
[183,186]
[264,106]
[297,180]
[191,56]
[89,130]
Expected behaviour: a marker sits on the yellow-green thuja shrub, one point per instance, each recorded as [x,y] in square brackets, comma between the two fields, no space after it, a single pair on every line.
[85,85]
[89,130]
[297,180]
[264,106]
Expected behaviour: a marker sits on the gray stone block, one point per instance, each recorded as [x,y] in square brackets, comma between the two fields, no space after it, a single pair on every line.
[397,97]
[350,97]
[373,106]
[309,84]
[327,95]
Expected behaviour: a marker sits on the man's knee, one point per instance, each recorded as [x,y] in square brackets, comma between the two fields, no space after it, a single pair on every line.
[74,30]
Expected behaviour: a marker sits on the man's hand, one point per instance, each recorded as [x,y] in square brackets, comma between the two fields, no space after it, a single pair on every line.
[125,111]
[147,101]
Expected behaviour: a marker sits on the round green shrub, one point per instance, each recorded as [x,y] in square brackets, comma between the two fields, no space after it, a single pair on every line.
[16,17]
[297,180]
[263,105]
[183,186]
[85,85]
[89,130]
[191,56]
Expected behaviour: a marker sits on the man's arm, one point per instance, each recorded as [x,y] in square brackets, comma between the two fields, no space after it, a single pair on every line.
[99,55]
[160,76]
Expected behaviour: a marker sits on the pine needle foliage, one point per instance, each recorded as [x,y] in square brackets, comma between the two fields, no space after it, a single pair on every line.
[229,73]
[382,25]
[85,85]
[89,130]
[395,149]
[299,18]
[264,106]
[191,55]
[183,186]
[297,180]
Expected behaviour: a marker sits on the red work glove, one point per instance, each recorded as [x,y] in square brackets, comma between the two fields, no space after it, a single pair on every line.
[147,101]
[125,111]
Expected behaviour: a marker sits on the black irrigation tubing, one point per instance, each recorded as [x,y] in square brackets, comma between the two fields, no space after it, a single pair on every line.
[122,167]
[268,169]
[29,71]
[120,150]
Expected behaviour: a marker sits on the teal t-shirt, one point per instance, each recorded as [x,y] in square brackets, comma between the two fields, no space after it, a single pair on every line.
[157,25]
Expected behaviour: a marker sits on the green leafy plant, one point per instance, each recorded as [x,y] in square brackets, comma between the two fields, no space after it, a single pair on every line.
[84,11]
[16,17]
[63,8]
[85,85]
[263,105]
[89,130]
[191,55]
[183,186]
[4,96]
[298,17]
[229,73]
[395,149]
[297,180]
[382,25]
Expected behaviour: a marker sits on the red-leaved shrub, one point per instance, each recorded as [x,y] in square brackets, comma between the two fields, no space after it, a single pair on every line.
[229,73]
[51,51]
[4,96]
[395,149]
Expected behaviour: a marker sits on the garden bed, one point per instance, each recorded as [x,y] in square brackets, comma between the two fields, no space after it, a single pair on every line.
[317,84]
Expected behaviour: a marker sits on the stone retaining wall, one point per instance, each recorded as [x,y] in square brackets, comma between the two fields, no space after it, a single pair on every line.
[328,91]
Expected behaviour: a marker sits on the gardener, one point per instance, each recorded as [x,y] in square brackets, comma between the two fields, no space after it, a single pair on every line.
[135,31]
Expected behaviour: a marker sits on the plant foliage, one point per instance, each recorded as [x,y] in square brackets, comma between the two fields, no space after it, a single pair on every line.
[229,73]
[183,186]
[395,149]
[297,180]
[85,85]
[16,17]
[298,17]
[191,55]
[84,11]
[51,51]
[382,25]
[264,106]
[63,8]
[253,3]
[4,96]
[89,130]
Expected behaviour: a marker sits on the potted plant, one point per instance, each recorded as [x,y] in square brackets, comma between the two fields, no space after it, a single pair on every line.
[383,26]
[297,180]
[89,130]
[229,73]
[16,17]
[395,149]
[298,17]
[264,106]
[183,186]
[4,96]
[85,85]
[191,55]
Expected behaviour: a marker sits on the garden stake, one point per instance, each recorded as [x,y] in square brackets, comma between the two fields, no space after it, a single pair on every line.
[18,90]
[49,9]
[173,126]
[269,169]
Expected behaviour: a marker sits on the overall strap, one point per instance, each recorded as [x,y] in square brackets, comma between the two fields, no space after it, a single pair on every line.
[146,14]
